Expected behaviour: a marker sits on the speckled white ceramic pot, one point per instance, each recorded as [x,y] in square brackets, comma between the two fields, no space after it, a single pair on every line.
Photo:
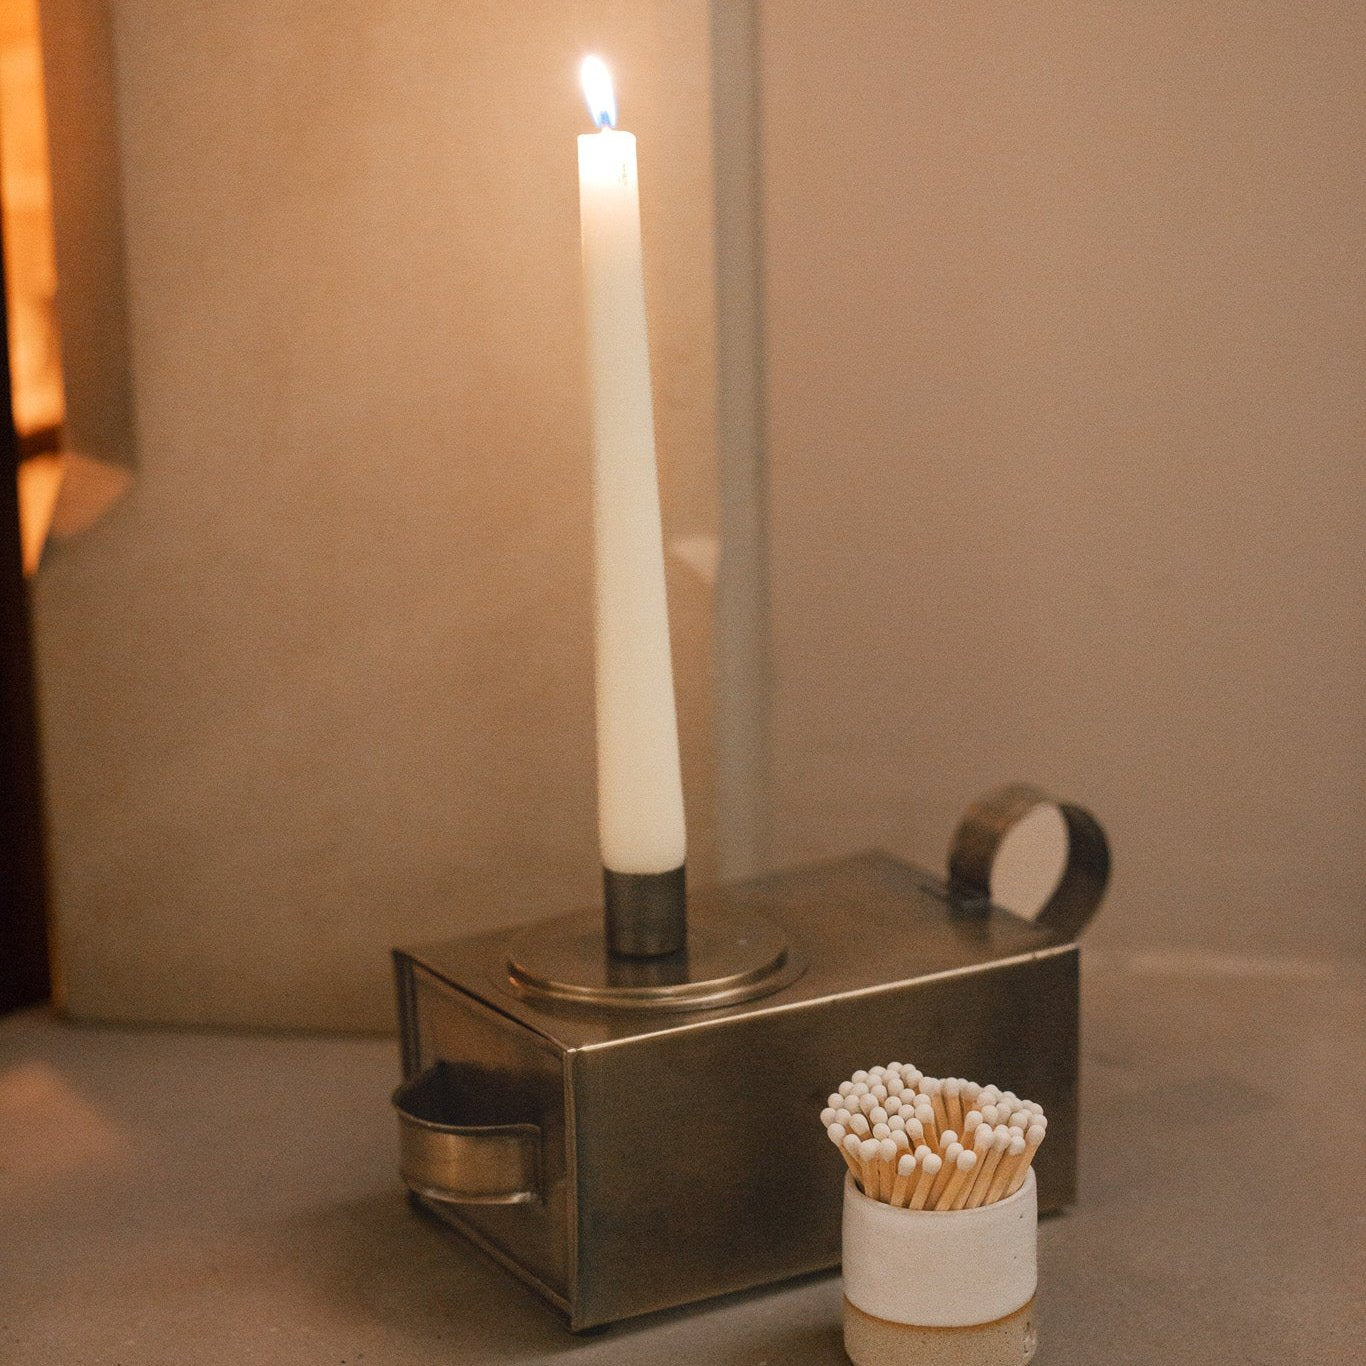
[928,1288]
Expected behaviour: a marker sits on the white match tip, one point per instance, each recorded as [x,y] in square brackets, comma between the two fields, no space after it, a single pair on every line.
[1036,1133]
[930,1086]
[859,1076]
[876,1072]
[950,1154]
[859,1124]
[1000,1138]
[881,1131]
[900,1139]
[1017,1145]
[835,1099]
[932,1163]
[877,1115]
[967,1160]
[947,1137]
[906,1165]
[971,1120]
[851,1145]
[922,1152]
[828,1116]
[886,1150]
[954,1086]
[845,1087]
[897,1122]
[843,1115]
[867,1150]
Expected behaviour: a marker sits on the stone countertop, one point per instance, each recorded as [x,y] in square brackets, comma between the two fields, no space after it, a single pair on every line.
[195,1198]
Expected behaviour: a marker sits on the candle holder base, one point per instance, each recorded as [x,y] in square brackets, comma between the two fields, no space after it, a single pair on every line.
[728,958]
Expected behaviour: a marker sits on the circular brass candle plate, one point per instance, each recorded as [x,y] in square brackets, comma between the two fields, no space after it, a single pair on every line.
[728,958]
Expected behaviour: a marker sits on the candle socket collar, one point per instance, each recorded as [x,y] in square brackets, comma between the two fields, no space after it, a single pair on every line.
[646,913]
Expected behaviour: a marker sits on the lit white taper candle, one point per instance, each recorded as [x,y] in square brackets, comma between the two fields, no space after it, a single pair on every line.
[640,790]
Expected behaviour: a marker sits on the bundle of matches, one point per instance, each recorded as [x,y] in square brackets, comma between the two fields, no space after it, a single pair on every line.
[919,1142]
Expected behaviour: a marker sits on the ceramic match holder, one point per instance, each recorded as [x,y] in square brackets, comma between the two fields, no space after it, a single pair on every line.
[628,1134]
[939,1288]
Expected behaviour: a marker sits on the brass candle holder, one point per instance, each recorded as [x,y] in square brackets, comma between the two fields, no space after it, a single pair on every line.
[604,1121]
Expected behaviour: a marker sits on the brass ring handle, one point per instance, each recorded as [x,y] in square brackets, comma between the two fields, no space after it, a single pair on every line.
[462,1164]
[983,828]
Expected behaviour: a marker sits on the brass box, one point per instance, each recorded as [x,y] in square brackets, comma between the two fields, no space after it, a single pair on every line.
[627,1161]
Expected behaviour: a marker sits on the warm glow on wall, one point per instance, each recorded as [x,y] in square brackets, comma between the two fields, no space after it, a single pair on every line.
[30,273]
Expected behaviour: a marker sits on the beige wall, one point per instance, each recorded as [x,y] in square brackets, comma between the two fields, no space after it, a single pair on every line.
[321,683]
[1065,348]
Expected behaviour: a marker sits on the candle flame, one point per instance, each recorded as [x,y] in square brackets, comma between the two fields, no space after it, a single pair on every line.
[597,90]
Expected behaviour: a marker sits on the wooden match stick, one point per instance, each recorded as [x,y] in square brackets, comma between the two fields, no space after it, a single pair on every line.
[981,1183]
[952,1194]
[905,1169]
[981,1146]
[887,1156]
[1033,1137]
[929,1172]
[970,1122]
[945,1174]
[867,1156]
[848,1146]
[934,1088]
[1005,1172]
[924,1112]
[953,1103]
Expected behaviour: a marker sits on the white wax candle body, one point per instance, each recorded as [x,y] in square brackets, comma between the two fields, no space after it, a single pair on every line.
[640,788]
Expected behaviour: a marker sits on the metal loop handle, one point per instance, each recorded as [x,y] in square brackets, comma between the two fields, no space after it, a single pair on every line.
[462,1164]
[983,829]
